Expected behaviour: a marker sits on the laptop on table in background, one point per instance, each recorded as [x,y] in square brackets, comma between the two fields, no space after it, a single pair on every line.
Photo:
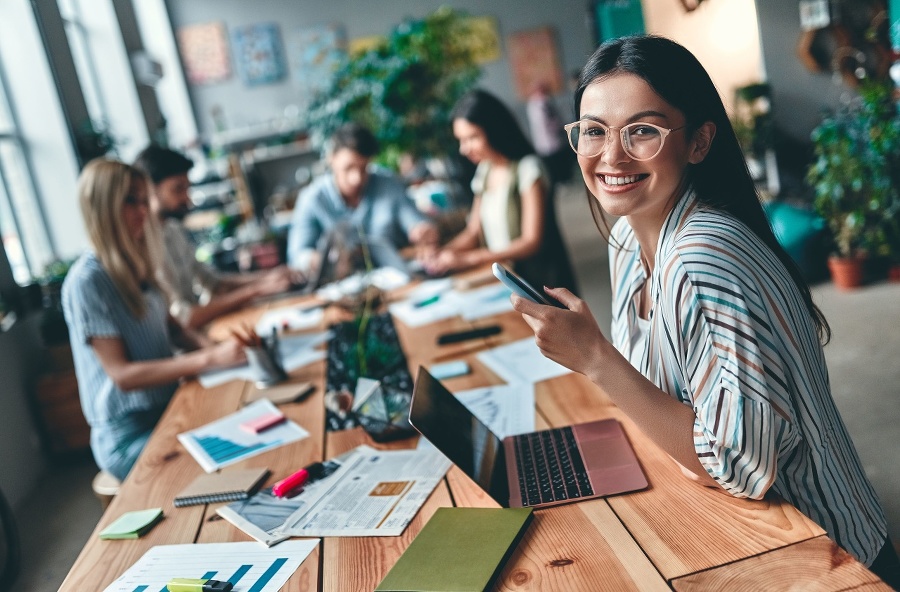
[543,468]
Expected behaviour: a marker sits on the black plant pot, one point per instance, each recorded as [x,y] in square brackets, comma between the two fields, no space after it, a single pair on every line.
[384,361]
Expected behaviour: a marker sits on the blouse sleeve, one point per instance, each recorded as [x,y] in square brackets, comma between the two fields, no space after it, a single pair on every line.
[730,378]
[477,183]
[91,310]
[530,170]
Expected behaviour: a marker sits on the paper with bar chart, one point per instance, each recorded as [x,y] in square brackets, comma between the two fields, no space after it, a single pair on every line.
[248,566]
[223,442]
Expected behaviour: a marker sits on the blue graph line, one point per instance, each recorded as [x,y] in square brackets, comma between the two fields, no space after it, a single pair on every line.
[141,588]
[221,450]
[209,575]
[242,570]
[268,575]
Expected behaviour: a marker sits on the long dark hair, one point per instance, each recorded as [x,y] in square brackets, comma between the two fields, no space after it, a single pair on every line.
[722,180]
[503,133]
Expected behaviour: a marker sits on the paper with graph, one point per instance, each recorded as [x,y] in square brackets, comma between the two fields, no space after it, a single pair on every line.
[248,566]
[223,442]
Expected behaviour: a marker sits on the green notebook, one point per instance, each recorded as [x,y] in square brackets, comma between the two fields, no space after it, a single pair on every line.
[132,525]
[459,550]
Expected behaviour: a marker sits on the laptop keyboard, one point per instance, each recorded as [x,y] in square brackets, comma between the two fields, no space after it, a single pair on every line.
[555,455]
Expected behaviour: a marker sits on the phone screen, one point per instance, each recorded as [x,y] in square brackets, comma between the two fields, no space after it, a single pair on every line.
[521,287]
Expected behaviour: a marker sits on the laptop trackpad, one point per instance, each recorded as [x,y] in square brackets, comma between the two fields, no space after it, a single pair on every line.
[606,453]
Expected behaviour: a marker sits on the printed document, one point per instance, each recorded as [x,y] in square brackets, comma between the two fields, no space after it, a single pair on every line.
[521,361]
[372,493]
[507,409]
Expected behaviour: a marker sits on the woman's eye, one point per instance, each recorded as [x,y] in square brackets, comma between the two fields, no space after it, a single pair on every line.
[595,132]
[644,130]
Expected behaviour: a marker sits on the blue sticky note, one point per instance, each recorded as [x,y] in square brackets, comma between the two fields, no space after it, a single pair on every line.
[449,369]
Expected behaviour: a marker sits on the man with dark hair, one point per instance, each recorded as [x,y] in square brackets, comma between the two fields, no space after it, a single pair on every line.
[197,293]
[367,198]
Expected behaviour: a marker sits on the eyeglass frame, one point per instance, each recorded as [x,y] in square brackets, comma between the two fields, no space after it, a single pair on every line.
[664,131]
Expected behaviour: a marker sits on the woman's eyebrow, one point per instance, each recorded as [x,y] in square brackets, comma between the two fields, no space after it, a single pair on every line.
[636,117]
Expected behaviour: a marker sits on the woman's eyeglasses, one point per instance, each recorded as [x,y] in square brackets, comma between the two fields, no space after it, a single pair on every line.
[641,141]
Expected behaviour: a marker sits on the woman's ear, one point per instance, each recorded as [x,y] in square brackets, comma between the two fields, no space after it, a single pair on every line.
[701,142]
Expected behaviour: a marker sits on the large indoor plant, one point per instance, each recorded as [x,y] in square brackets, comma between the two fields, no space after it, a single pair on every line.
[856,177]
[404,88]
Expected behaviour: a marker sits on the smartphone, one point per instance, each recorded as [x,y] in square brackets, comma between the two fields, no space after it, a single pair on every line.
[522,288]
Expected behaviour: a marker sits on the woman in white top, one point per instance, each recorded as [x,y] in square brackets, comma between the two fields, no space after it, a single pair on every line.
[512,217]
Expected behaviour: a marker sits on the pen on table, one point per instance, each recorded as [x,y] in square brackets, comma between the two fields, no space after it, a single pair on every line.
[298,479]
[427,301]
[198,585]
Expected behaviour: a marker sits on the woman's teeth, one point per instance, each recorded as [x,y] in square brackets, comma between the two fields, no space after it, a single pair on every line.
[620,180]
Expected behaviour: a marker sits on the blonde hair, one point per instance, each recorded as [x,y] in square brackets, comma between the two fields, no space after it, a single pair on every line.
[102,189]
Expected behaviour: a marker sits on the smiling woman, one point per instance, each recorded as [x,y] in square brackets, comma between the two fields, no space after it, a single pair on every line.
[715,347]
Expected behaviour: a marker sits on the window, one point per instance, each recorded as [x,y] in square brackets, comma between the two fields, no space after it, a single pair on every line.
[22,224]
[85,65]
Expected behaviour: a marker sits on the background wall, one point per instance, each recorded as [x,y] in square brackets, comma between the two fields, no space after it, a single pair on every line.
[723,34]
[799,96]
[243,106]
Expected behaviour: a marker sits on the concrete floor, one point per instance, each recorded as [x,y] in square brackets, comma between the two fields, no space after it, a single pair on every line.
[862,358]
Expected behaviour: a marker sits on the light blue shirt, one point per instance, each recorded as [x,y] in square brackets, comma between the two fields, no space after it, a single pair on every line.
[120,421]
[385,212]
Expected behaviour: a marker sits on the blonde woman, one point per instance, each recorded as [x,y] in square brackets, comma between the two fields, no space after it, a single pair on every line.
[120,332]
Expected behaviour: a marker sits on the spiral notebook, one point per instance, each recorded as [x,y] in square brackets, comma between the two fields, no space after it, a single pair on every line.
[224,486]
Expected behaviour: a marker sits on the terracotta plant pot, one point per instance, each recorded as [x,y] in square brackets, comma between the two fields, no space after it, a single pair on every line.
[893,274]
[846,272]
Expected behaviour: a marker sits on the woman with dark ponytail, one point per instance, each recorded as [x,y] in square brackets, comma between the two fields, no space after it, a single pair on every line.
[715,349]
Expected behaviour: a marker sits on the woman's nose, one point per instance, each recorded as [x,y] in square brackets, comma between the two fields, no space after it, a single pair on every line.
[614,152]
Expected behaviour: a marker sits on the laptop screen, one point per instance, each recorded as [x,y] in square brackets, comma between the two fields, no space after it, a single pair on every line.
[445,422]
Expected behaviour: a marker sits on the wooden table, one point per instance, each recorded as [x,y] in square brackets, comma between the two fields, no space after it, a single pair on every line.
[673,535]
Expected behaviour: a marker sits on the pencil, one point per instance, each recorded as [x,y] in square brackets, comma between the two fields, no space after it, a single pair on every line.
[239,337]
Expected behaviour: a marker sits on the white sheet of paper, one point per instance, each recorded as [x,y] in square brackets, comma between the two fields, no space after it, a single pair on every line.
[507,409]
[484,302]
[521,361]
[411,315]
[289,318]
[223,442]
[246,565]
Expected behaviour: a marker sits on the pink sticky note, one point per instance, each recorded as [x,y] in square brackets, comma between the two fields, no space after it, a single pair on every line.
[263,422]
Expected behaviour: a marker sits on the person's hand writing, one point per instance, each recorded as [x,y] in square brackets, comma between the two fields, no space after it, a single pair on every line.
[569,337]
[229,352]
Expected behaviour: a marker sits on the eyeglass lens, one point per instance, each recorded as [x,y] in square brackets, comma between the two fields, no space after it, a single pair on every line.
[640,141]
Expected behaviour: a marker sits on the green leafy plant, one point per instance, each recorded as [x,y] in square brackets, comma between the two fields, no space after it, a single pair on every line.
[404,88]
[856,174]
[753,122]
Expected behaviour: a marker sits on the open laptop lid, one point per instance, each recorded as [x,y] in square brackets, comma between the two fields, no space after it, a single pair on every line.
[445,422]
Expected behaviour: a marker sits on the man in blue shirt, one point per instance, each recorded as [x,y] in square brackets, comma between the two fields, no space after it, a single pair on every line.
[356,194]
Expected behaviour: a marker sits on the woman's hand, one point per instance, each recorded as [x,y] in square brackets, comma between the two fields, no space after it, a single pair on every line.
[569,337]
[446,260]
[229,352]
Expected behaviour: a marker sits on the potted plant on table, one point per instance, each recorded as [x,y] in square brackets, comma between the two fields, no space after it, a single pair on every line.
[856,179]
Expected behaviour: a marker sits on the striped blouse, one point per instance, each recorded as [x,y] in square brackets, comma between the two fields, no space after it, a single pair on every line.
[731,336]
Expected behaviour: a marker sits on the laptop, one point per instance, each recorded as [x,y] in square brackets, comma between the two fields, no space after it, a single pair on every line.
[538,469]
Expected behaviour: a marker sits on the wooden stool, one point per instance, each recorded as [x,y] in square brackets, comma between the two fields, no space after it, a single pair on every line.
[105,487]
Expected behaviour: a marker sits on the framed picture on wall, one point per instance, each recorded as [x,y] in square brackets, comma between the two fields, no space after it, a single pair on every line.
[534,61]
[204,52]
[258,54]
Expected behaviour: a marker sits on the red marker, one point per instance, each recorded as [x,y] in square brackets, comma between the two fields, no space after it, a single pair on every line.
[298,479]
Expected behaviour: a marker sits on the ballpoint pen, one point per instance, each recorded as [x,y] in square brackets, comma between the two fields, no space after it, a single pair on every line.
[292,482]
